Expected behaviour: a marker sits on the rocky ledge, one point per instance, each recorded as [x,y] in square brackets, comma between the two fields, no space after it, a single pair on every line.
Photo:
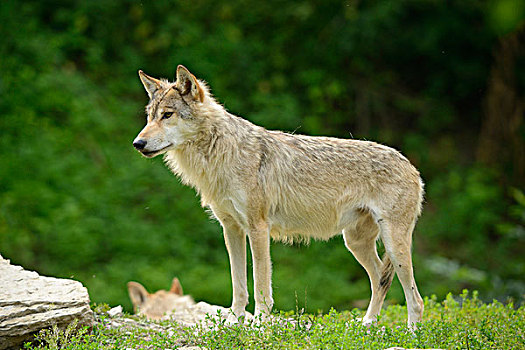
[30,302]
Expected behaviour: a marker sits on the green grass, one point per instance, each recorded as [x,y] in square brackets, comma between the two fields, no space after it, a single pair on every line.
[455,323]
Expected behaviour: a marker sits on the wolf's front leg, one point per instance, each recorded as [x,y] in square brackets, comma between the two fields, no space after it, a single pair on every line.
[235,240]
[262,269]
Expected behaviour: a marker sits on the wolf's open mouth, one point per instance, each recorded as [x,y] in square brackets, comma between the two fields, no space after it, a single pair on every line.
[149,153]
[154,153]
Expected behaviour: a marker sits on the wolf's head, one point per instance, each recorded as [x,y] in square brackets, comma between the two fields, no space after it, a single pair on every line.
[173,112]
[159,304]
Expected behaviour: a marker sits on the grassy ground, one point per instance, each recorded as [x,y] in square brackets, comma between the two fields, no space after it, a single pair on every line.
[455,323]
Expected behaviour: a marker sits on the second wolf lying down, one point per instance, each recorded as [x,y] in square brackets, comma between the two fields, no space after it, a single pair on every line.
[157,305]
[261,184]
[171,304]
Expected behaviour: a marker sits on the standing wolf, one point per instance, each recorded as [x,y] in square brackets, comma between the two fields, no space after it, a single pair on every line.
[263,184]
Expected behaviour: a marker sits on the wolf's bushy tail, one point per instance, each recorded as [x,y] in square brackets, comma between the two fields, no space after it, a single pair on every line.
[387,274]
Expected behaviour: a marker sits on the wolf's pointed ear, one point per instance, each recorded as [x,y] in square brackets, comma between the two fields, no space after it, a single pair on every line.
[150,84]
[188,84]
[176,287]
[137,293]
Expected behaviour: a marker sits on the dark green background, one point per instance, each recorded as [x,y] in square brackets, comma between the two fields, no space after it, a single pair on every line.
[77,201]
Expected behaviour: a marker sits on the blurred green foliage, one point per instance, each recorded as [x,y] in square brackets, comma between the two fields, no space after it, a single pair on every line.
[77,201]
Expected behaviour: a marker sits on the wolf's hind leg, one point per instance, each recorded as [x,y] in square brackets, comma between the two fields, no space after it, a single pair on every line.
[397,239]
[361,241]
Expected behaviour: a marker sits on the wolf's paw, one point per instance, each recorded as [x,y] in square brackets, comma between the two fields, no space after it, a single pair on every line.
[232,319]
[413,327]
[367,322]
[239,317]
[262,317]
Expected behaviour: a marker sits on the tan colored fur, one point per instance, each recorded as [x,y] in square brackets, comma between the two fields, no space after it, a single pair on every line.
[262,184]
[159,304]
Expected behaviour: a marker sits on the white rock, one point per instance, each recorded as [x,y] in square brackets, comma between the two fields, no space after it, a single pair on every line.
[199,312]
[30,302]
[115,311]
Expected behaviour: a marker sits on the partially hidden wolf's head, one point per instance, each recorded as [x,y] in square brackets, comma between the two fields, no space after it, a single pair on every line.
[159,304]
[175,112]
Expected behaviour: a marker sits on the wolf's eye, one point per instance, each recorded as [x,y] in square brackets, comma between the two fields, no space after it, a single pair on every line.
[166,115]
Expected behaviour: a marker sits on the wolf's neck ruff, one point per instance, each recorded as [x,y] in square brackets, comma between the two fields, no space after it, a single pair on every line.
[207,161]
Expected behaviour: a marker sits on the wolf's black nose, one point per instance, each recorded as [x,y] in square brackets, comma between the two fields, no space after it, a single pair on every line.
[139,144]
